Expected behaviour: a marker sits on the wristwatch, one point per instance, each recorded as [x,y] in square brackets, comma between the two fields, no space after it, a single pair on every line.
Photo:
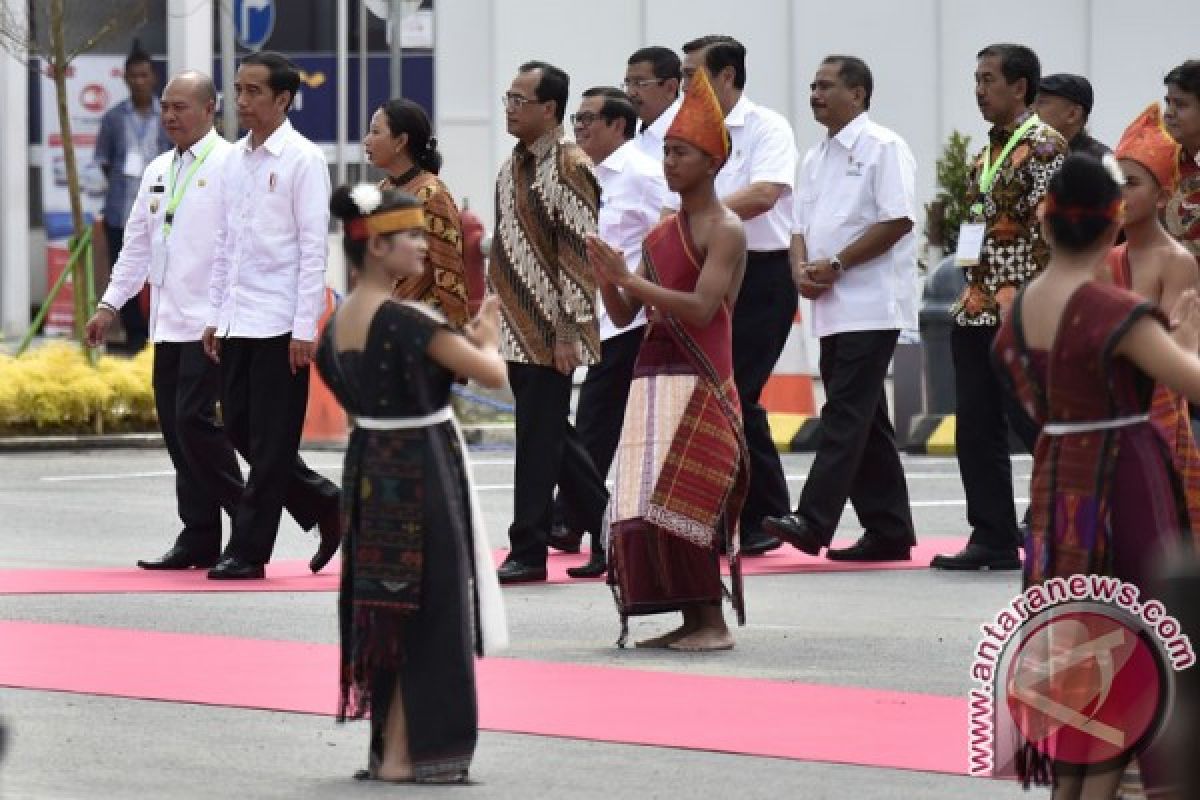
[835,264]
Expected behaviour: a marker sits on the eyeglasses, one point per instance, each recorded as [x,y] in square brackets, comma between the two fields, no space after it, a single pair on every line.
[516,101]
[642,83]
[584,118]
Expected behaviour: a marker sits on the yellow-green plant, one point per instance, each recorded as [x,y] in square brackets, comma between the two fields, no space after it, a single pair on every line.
[54,389]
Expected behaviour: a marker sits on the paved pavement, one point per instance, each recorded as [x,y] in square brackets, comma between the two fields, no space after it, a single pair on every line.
[910,631]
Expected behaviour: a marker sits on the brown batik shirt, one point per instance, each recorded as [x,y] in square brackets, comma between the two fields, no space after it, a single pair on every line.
[1014,250]
[546,204]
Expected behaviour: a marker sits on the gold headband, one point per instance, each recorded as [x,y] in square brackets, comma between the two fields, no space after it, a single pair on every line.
[398,219]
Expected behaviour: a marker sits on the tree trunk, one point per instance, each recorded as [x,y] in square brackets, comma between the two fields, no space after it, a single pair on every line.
[59,67]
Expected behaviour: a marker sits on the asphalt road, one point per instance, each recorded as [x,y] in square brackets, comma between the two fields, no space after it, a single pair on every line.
[909,631]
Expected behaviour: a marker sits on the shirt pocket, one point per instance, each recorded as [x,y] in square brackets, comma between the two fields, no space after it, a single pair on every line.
[273,213]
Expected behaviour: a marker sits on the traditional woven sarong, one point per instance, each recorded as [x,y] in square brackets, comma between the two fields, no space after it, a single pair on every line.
[681,466]
[1168,409]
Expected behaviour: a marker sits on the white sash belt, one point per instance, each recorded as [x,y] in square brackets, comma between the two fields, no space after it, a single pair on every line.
[1066,428]
[404,423]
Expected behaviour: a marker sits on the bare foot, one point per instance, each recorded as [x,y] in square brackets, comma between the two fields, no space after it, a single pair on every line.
[394,775]
[704,640]
[668,639]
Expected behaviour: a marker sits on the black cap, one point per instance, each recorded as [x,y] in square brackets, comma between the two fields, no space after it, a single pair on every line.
[1075,88]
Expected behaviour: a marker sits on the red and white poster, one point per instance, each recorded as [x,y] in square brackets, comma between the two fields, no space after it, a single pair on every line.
[94,84]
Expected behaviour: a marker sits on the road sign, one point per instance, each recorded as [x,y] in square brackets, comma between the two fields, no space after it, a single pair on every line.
[253,22]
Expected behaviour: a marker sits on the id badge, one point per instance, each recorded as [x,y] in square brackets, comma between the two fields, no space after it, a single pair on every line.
[158,259]
[970,244]
[134,163]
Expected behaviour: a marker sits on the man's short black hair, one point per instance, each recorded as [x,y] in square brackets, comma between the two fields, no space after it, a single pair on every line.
[721,51]
[282,74]
[1016,62]
[554,84]
[137,56]
[663,60]
[1186,77]
[616,105]
[855,73]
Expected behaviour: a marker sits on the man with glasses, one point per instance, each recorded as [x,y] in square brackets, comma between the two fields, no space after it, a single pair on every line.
[652,79]
[756,184]
[546,204]
[632,196]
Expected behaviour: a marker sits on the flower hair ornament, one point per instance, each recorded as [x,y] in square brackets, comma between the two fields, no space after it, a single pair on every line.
[366,197]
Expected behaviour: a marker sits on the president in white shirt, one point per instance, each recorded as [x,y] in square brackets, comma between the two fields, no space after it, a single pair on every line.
[265,298]
[756,184]
[854,255]
[633,193]
[183,184]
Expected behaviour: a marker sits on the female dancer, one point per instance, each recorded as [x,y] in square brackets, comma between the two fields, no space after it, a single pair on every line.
[416,602]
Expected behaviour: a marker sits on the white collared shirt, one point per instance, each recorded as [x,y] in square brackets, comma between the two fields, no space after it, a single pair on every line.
[179,307]
[632,194]
[863,175]
[650,141]
[269,271]
[763,151]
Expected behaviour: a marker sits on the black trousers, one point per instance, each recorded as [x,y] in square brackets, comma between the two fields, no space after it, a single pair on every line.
[857,458]
[264,405]
[762,319]
[186,387]
[984,410]
[137,329]
[601,413]
[549,453]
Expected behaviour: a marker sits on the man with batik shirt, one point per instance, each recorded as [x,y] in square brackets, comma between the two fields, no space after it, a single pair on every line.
[546,203]
[1182,120]
[1002,248]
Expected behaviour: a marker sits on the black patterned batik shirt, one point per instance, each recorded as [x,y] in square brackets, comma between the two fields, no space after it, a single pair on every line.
[1013,248]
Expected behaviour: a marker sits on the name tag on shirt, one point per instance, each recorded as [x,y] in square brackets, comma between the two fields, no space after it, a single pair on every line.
[970,244]
[134,164]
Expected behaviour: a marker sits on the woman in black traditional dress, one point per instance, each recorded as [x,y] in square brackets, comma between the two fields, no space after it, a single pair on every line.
[416,603]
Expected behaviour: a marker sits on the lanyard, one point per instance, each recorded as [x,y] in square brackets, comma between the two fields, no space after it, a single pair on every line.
[990,170]
[176,192]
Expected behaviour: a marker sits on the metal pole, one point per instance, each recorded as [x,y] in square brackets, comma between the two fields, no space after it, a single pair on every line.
[364,119]
[229,124]
[342,27]
[396,73]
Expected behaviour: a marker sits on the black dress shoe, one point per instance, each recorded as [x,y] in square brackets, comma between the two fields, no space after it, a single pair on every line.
[977,557]
[794,530]
[178,558]
[871,548]
[755,543]
[596,566]
[234,569]
[330,528]
[564,539]
[516,572]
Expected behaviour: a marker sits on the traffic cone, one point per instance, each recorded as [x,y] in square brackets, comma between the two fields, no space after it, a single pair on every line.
[788,396]
[324,421]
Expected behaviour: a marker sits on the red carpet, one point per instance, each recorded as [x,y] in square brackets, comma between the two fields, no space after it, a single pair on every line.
[293,576]
[734,715]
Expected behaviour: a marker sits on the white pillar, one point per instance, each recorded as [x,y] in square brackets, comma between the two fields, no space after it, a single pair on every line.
[189,36]
[14,188]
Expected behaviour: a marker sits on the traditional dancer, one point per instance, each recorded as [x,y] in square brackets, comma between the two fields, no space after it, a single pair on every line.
[1081,355]
[418,596]
[681,468]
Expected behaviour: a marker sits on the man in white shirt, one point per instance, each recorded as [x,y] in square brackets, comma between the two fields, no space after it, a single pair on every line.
[756,184]
[184,184]
[652,79]
[267,292]
[632,195]
[854,255]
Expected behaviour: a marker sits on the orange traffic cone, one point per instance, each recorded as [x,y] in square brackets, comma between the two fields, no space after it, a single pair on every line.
[788,396]
[324,421]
